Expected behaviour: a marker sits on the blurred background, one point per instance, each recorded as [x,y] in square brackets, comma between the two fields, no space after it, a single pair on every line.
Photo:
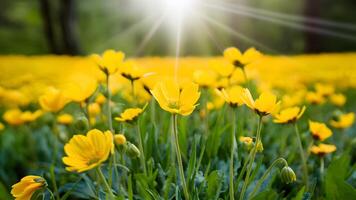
[145,28]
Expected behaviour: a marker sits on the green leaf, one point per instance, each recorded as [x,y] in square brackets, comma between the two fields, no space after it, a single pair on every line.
[266,195]
[214,185]
[300,194]
[335,185]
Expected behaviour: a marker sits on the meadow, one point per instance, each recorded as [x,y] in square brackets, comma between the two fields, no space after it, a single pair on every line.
[240,126]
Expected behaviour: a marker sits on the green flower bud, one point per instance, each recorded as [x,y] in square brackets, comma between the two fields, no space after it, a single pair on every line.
[259,147]
[288,175]
[132,150]
[81,124]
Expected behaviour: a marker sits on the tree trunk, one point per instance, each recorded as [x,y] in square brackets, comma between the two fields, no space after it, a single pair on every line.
[48,26]
[68,27]
[312,40]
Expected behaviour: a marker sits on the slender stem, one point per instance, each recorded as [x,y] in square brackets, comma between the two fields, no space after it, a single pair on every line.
[322,168]
[232,149]
[55,152]
[179,157]
[133,90]
[263,178]
[108,95]
[301,152]
[243,169]
[103,180]
[254,151]
[50,193]
[140,145]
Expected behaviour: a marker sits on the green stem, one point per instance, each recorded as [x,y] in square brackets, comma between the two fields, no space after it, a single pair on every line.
[243,169]
[232,149]
[301,152]
[179,157]
[254,151]
[103,180]
[140,145]
[321,168]
[55,152]
[108,95]
[263,178]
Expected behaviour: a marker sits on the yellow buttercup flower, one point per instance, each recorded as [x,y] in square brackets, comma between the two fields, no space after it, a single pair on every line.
[174,99]
[17,117]
[232,95]
[323,149]
[110,61]
[119,139]
[238,59]
[65,118]
[289,115]
[338,99]
[94,109]
[205,78]
[28,185]
[86,152]
[79,87]
[319,130]
[129,115]
[314,98]
[53,100]
[100,99]
[131,71]
[343,120]
[246,140]
[324,89]
[264,105]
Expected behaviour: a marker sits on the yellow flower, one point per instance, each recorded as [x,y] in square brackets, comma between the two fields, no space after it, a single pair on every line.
[338,99]
[324,89]
[129,115]
[319,130]
[289,115]
[234,56]
[119,139]
[246,140]
[174,99]
[87,152]
[2,126]
[264,105]
[28,185]
[131,71]
[232,95]
[94,109]
[79,87]
[314,98]
[17,117]
[323,149]
[110,61]
[205,78]
[53,100]
[100,99]
[65,118]
[343,120]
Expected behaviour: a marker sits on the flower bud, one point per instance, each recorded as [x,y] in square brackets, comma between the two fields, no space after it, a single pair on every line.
[288,175]
[259,147]
[132,150]
[119,139]
[81,123]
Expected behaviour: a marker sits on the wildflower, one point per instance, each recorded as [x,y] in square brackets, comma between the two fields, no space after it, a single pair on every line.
[324,90]
[338,99]
[65,118]
[246,140]
[120,139]
[238,59]
[2,127]
[174,99]
[79,87]
[264,105]
[323,149]
[205,78]
[314,98]
[232,95]
[28,116]
[53,100]
[28,185]
[110,61]
[131,71]
[343,120]
[100,99]
[87,152]
[319,130]
[129,115]
[288,175]
[289,115]
[94,109]
[17,117]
